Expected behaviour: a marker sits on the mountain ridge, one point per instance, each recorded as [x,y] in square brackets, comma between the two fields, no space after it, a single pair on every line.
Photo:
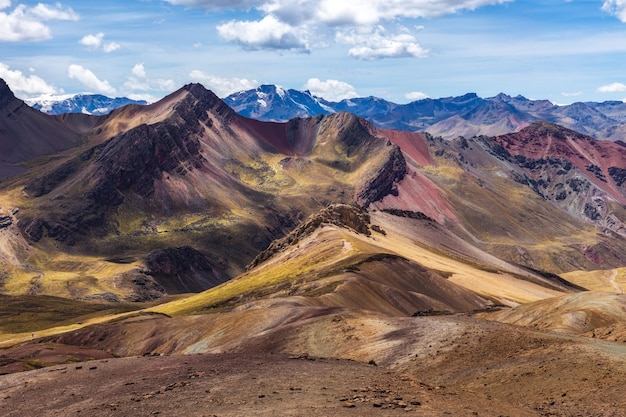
[450,117]
[86,103]
[466,115]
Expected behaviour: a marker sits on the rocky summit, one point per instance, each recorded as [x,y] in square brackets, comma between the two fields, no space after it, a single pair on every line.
[181,258]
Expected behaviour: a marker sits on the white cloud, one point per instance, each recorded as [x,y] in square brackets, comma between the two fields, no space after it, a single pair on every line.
[25,23]
[96,42]
[139,70]
[267,33]
[139,81]
[110,47]
[574,94]
[344,12]
[612,88]
[28,85]
[89,79]
[615,7]
[415,95]
[222,87]
[331,90]
[92,41]
[376,44]
[219,4]
[150,98]
[299,24]
[45,12]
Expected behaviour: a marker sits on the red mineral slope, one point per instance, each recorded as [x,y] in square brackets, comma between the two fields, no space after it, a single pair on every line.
[604,161]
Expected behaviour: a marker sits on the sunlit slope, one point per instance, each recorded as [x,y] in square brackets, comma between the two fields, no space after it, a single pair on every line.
[572,313]
[611,280]
[364,270]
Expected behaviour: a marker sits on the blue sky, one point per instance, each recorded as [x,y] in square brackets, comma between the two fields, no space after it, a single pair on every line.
[400,50]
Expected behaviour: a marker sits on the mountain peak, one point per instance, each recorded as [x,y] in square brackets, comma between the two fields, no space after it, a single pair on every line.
[6,94]
[503,97]
[199,91]
[274,103]
[542,129]
[541,126]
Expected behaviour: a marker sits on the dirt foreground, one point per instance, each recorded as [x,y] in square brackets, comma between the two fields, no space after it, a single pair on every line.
[227,385]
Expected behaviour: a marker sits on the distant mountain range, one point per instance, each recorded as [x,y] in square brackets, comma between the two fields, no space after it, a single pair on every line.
[450,117]
[95,104]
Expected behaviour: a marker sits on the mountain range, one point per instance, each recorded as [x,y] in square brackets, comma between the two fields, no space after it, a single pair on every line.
[95,104]
[449,117]
[469,275]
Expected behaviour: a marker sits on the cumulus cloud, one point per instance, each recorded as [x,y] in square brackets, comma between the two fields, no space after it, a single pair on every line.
[89,79]
[377,44]
[29,85]
[139,70]
[26,23]
[300,24]
[615,7]
[222,87]
[267,33]
[612,88]
[345,12]
[96,42]
[331,90]
[219,4]
[138,80]
[415,95]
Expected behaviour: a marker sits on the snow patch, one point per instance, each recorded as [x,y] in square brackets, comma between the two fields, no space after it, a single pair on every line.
[280,91]
[325,107]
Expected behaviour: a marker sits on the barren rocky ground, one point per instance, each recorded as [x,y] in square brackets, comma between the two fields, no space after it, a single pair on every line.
[470,367]
[227,385]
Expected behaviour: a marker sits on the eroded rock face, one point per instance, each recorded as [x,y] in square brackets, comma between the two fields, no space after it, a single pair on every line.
[5,221]
[342,215]
[571,170]
[385,180]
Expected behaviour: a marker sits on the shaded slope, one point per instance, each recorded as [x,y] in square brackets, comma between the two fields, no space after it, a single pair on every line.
[26,133]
